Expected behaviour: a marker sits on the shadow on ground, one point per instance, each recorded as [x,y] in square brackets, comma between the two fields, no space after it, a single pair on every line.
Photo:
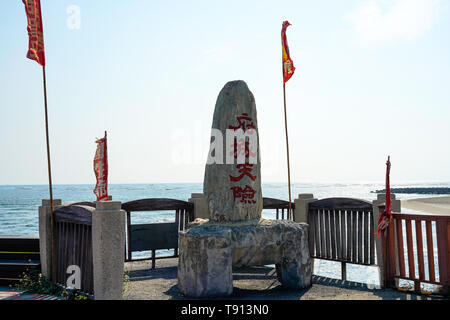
[256,283]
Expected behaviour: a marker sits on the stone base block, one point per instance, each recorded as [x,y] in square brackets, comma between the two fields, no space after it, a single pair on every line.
[251,243]
[204,268]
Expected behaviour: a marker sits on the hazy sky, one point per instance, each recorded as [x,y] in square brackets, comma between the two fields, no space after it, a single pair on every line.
[372,78]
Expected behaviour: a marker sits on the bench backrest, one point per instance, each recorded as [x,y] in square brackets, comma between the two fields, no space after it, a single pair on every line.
[342,229]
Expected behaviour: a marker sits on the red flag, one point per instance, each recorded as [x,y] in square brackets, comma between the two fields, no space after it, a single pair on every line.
[288,65]
[388,187]
[386,216]
[35,31]
[101,170]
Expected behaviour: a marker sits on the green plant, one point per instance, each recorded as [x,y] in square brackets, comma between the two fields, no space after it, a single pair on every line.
[34,282]
[126,283]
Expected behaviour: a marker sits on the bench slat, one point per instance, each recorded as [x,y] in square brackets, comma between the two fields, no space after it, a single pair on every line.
[19,244]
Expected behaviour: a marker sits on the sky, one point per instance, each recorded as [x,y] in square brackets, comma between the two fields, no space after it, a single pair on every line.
[372,79]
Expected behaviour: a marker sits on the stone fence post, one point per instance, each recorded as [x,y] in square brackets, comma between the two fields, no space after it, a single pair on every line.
[395,207]
[108,243]
[301,207]
[301,213]
[200,206]
[45,235]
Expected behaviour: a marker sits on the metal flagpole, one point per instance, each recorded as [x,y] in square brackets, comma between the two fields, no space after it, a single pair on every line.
[287,149]
[49,177]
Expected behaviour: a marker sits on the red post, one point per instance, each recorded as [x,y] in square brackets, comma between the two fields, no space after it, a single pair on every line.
[389,255]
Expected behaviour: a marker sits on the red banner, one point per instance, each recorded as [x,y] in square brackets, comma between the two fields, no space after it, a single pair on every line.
[35,31]
[386,216]
[101,170]
[388,186]
[288,65]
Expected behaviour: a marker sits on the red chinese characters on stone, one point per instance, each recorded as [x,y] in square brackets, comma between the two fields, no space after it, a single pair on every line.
[244,122]
[246,195]
[245,169]
[241,147]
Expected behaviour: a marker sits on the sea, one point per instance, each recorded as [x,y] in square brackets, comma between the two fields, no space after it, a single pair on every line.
[19,208]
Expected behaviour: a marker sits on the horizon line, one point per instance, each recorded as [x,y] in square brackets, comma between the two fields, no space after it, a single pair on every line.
[274,182]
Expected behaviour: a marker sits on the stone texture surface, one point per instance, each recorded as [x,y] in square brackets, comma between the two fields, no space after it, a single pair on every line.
[200,206]
[108,243]
[234,100]
[253,243]
[205,263]
[45,235]
[235,235]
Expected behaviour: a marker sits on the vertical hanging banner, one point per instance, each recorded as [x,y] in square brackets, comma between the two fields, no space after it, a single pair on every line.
[288,65]
[386,216]
[388,187]
[288,71]
[36,52]
[101,170]
[35,31]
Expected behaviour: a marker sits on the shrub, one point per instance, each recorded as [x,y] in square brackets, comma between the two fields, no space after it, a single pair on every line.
[34,282]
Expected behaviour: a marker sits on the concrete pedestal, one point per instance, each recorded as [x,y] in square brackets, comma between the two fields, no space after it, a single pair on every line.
[209,250]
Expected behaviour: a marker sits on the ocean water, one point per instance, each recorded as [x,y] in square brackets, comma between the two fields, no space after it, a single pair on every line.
[19,207]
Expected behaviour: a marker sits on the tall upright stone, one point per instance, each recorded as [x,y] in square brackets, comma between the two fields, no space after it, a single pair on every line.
[232,183]
[235,235]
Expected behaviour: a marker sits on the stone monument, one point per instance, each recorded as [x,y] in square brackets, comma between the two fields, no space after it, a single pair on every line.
[233,188]
[235,235]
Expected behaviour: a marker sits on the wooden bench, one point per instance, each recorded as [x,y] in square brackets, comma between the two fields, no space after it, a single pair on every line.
[17,255]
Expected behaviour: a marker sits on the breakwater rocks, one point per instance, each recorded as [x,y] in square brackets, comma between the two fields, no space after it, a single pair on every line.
[432,190]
